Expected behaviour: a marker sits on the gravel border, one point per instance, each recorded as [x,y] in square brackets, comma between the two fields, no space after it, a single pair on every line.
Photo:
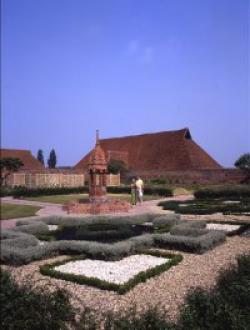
[167,291]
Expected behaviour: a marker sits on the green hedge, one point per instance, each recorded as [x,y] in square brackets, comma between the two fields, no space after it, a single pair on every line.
[192,244]
[33,192]
[224,192]
[49,270]
[5,191]
[204,206]
[148,190]
[11,253]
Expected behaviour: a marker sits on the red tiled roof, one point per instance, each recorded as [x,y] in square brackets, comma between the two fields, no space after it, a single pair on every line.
[28,160]
[169,151]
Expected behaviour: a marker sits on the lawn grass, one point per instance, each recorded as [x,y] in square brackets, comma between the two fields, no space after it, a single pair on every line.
[61,199]
[11,211]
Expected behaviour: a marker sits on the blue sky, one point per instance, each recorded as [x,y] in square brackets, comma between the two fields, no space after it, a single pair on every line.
[125,67]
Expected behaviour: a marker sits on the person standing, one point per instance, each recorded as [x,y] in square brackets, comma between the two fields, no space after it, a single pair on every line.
[133,192]
[139,189]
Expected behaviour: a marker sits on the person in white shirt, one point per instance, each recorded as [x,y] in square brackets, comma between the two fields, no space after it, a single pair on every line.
[139,189]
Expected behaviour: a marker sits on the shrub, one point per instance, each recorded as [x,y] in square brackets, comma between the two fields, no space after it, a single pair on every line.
[17,239]
[166,219]
[151,319]
[22,308]
[198,244]
[160,191]
[32,192]
[184,230]
[5,191]
[148,190]
[33,228]
[13,254]
[224,192]
[96,219]
[158,181]
[201,206]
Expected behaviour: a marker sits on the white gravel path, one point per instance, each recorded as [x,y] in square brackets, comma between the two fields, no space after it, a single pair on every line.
[118,272]
[224,227]
[52,227]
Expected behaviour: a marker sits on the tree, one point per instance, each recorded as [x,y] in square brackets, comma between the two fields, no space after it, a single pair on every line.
[52,159]
[117,166]
[243,163]
[9,165]
[40,156]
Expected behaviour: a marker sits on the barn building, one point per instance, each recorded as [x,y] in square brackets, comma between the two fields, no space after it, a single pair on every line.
[172,155]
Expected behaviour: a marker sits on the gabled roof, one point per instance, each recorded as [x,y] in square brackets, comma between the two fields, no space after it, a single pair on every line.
[28,160]
[169,151]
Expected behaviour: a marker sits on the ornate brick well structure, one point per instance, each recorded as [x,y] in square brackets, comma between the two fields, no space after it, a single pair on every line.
[98,202]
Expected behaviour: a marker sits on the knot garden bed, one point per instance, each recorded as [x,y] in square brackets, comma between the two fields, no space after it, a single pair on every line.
[233,206]
[133,236]
[22,246]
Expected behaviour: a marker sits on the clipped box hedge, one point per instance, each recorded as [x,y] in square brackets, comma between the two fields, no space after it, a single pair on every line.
[183,236]
[33,192]
[224,192]
[198,244]
[21,191]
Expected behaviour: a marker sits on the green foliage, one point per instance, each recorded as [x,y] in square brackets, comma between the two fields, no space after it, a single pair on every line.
[148,190]
[33,192]
[100,232]
[243,163]
[227,306]
[166,219]
[160,191]
[207,206]
[52,159]
[224,192]
[5,191]
[192,244]
[151,319]
[23,308]
[8,165]
[117,166]
[40,156]
[33,228]
[185,230]
[191,237]
[158,181]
